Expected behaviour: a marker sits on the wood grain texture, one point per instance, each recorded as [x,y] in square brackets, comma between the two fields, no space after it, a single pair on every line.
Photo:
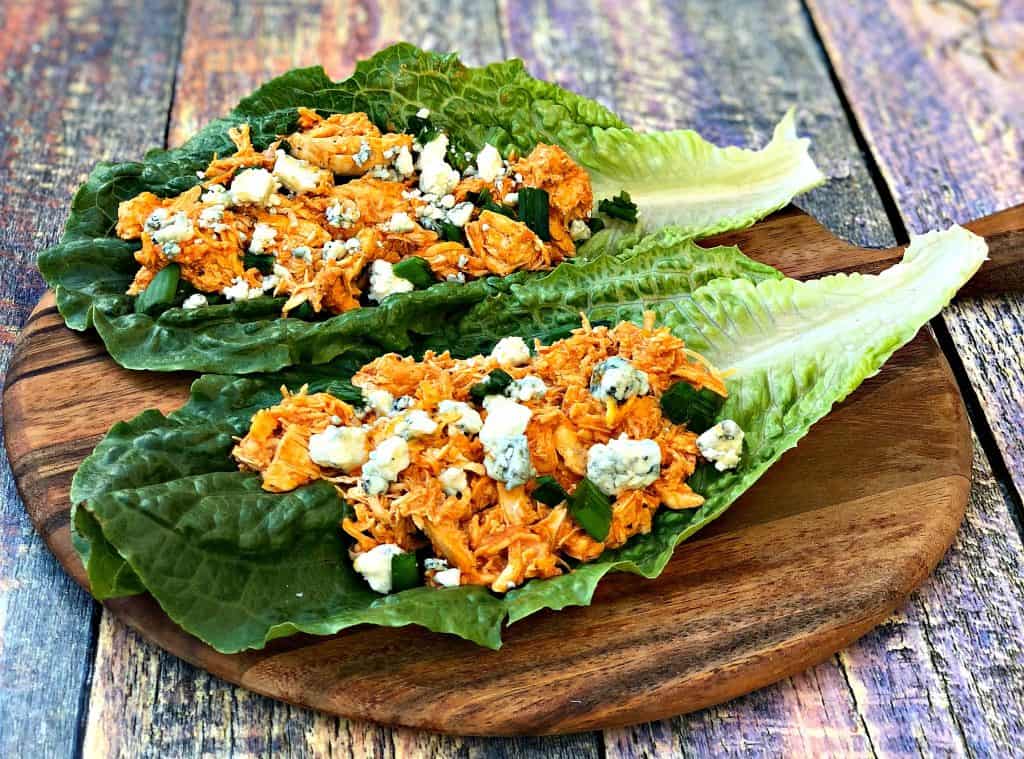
[948,136]
[228,50]
[79,82]
[713,49]
[820,550]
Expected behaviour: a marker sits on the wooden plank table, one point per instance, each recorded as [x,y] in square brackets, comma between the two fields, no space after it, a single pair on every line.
[916,113]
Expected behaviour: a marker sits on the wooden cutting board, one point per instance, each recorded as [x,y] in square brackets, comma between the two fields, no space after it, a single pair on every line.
[821,550]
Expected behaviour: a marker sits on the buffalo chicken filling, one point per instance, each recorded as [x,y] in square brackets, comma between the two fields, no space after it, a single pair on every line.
[324,215]
[506,467]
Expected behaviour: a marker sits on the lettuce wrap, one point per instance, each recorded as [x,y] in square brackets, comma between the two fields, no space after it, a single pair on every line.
[161,507]
[675,178]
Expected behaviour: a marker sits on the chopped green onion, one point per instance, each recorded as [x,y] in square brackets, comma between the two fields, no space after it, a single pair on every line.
[548,491]
[345,391]
[485,202]
[619,207]
[596,224]
[553,334]
[416,270]
[682,403]
[405,571]
[592,509]
[533,210]
[303,311]
[450,232]
[263,262]
[160,292]
[495,384]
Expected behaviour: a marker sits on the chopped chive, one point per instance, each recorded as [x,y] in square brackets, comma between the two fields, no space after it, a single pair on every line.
[450,232]
[548,491]
[485,202]
[405,571]
[160,292]
[592,509]
[416,270]
[495,384]
[619,207]
[682,403]
[596,224]
[263,262]
[345,391]
[533,211]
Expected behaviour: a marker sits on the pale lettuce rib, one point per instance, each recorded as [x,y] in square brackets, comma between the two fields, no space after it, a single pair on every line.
[679,178]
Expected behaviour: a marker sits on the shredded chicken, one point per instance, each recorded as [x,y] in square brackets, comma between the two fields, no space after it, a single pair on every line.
[496,536]
[331,198]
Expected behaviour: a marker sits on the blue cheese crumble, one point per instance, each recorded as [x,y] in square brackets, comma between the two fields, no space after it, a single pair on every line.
[383,281]
[616,378]
[465,418]
[375,566]
[511,351]
[722,445]
[506,449]
[386,462]
[341,448]
[623,464]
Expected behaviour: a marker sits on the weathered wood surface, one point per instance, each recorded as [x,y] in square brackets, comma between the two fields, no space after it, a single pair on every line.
[913,684]
[79,82]
[818,552]
[690,66]
[948,136]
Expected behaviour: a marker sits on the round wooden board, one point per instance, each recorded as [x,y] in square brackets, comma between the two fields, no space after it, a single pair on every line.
[822,549]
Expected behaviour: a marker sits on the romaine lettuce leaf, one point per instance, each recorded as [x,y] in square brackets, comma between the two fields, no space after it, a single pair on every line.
[236,566]
[679,178]
[500,103]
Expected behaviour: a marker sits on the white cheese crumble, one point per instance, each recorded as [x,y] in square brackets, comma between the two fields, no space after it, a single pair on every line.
[253,186]
[156,219]
[623,464]
[453,481]
[403,162]
[399,223]
[379,401]
[217,194]
[295,174]
[616,378]
[414,424]
[447,202]
[460,214]
[722,445]
[176,230]
[363,155]
[302,251]
[511,199]
[196,300]
[579,230]
[465,418]
[386,462]
[506,449]
[423,113]
[211,218]
[383,281]
[528,388]
[489,163]
[263,236]
[436,176]
[448,578]
[511,351]
[341,448]
[239,290]
[375,566]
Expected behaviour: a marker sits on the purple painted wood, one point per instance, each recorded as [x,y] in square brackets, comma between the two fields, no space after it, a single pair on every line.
[85,82]
[79,82]
[728,69]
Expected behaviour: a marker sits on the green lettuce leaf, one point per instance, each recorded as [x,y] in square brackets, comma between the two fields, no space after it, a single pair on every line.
[228,561]
[500,104]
